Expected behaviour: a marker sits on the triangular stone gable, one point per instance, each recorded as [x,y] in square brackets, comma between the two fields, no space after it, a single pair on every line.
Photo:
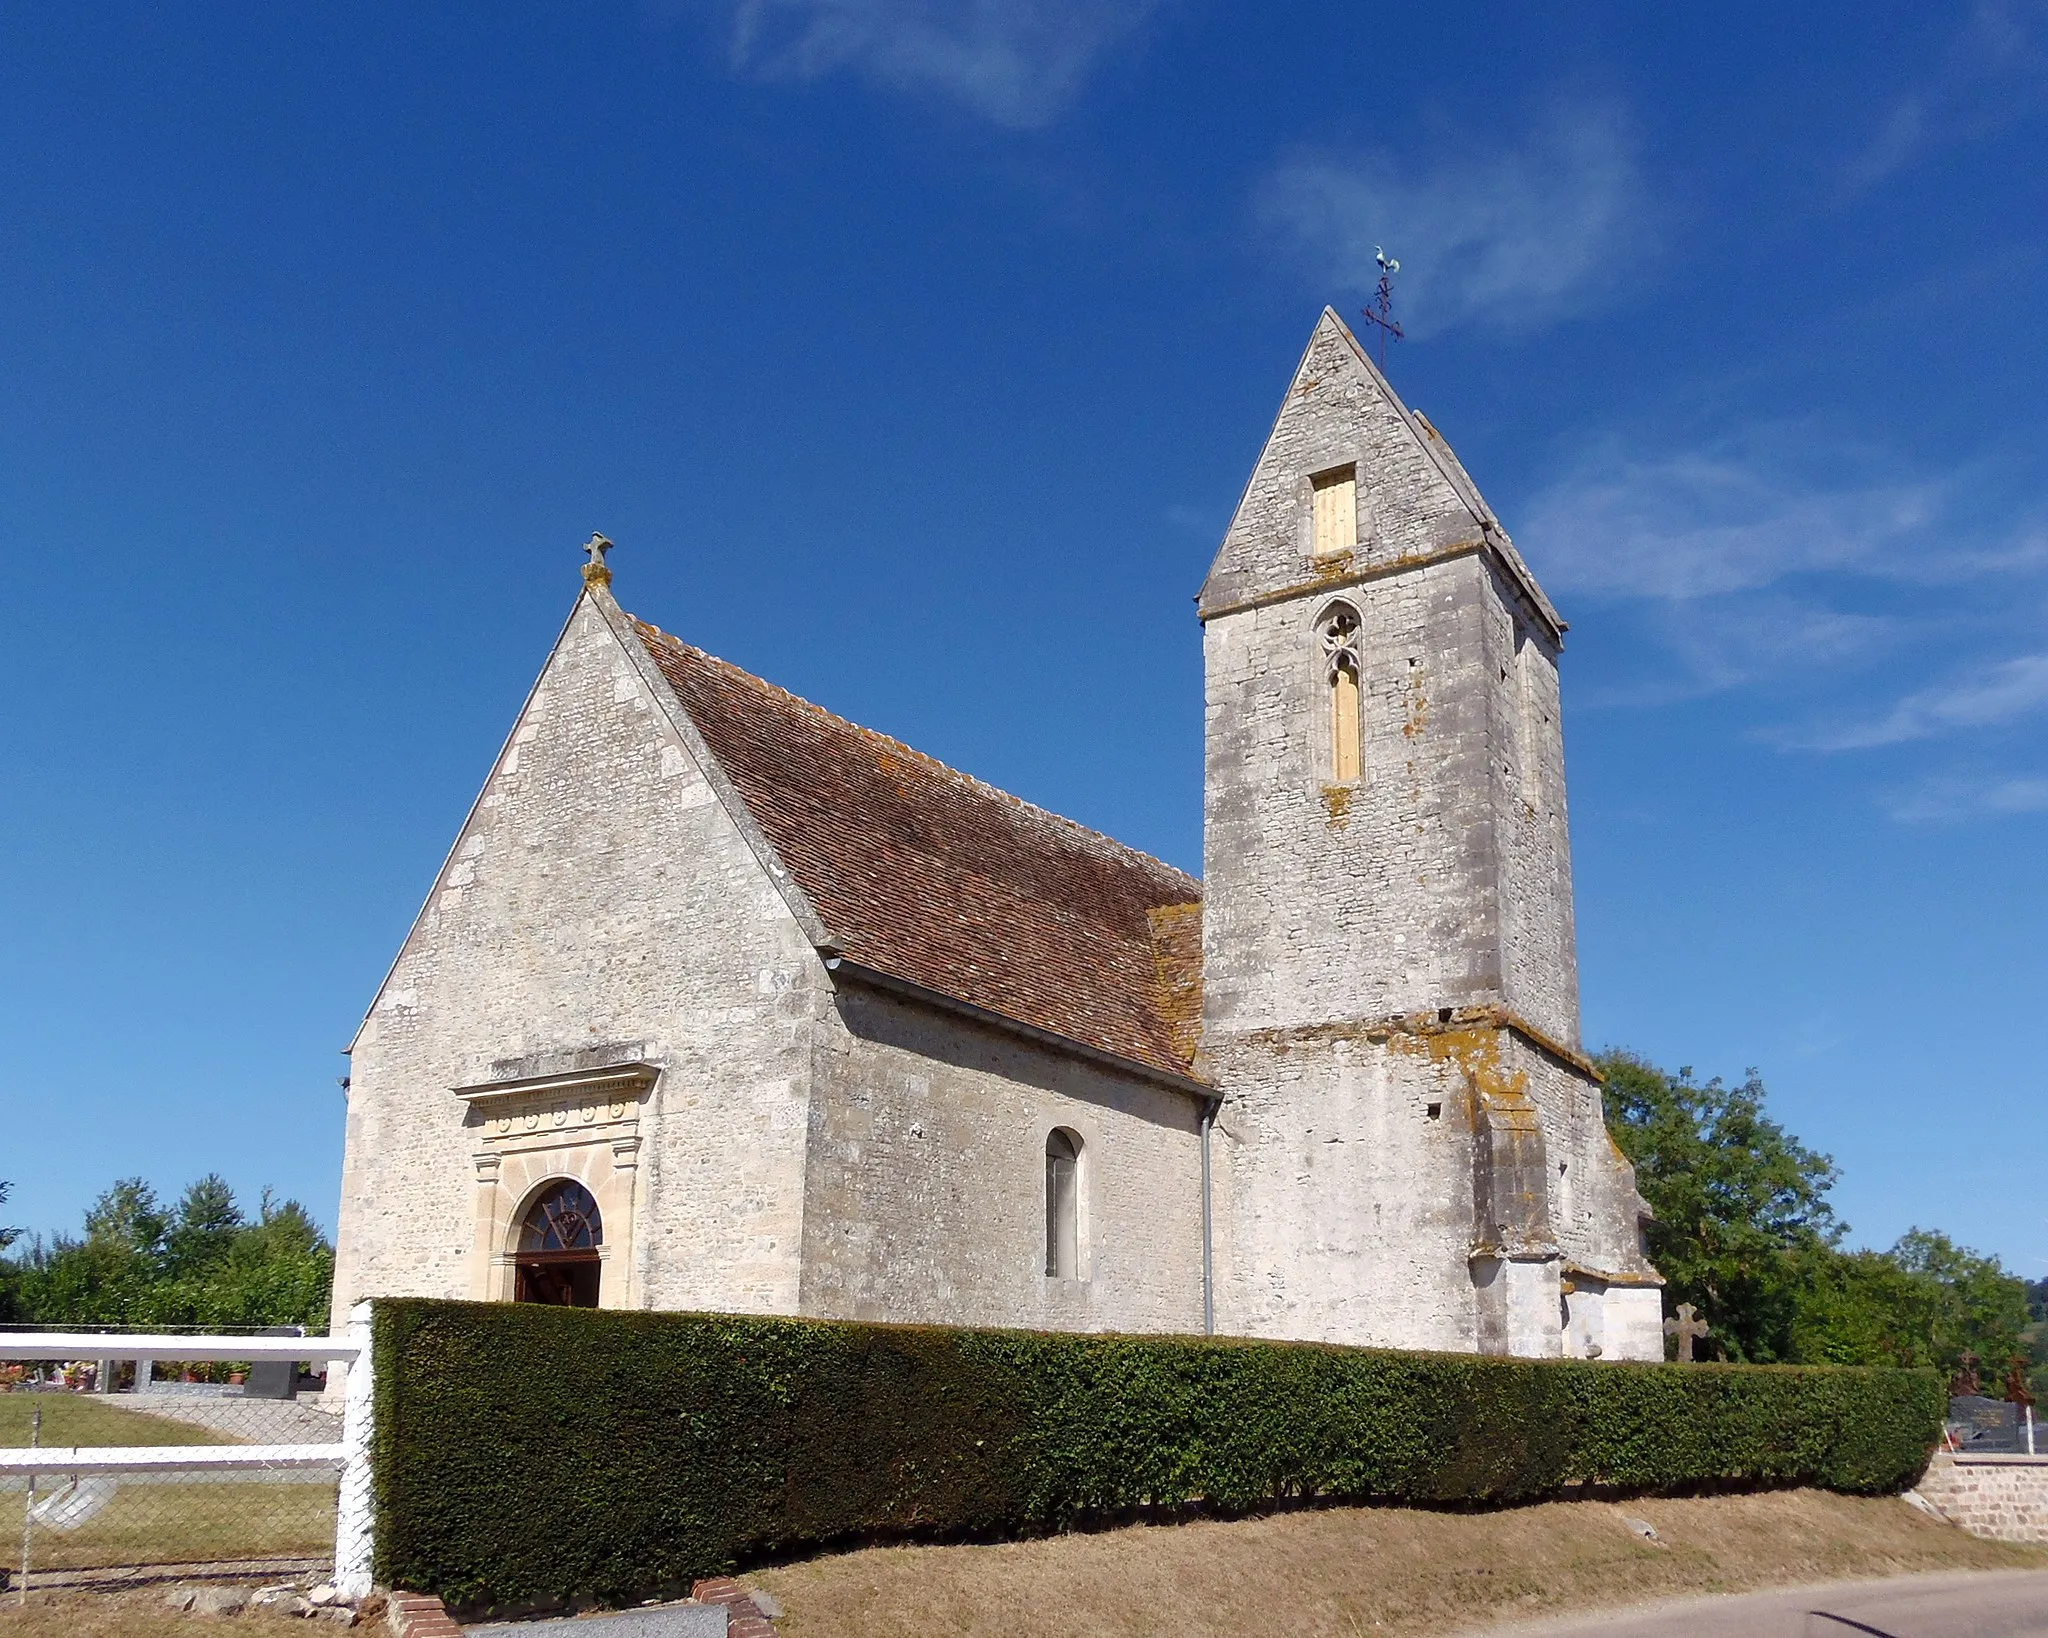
[602,766]
[1414,498]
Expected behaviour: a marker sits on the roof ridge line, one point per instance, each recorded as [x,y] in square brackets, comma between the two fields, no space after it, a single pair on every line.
[911,750]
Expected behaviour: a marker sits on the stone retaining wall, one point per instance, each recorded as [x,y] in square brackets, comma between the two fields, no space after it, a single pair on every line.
[2002,1497]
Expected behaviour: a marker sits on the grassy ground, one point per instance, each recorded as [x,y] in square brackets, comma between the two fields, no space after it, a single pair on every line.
[157,1523]
[1341,1572]
[80,1419]
[181,1524]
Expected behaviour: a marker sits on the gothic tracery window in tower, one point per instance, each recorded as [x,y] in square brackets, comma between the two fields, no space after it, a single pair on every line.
[1341,669]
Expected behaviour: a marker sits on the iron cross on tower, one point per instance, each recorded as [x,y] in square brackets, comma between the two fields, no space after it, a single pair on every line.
[1381,312]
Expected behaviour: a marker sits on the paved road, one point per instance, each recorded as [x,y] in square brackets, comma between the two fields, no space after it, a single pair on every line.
[1969,1604]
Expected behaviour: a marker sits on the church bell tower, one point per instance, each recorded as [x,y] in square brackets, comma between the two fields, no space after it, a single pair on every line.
[1411,1146]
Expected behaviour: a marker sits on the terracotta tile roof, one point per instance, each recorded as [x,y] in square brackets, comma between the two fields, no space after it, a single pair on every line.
[927,875]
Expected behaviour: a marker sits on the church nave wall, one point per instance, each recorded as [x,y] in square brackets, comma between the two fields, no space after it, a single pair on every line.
[925,1196]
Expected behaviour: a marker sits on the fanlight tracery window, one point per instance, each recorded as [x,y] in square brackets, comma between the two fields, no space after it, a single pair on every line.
[1338,630]
[559,1256]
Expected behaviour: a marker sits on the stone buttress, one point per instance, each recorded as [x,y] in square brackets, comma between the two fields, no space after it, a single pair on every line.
[1411,1151]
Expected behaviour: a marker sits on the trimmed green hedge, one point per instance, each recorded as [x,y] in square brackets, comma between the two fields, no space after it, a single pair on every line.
[531,1454]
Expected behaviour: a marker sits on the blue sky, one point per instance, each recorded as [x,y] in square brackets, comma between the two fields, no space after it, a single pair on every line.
[914,355]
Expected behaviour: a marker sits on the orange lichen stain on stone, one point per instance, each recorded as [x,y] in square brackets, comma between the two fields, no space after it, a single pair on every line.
[1418,707]
[1177,972]
[1474,1049]
[1337,803]
[1334,567]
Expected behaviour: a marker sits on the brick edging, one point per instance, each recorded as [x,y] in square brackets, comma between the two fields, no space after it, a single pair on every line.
[743,1615]
[420,1615]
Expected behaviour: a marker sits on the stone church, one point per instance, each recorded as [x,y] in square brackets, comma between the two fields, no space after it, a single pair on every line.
[723,1002]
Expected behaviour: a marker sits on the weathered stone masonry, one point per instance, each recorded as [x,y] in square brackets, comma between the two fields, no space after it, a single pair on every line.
[2002,1497]
[804,1011]
[1387,1178]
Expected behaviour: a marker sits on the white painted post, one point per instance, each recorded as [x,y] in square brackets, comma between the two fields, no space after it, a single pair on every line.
[355,1513]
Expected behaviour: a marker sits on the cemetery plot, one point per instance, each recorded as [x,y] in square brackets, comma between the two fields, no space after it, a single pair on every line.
[129,1491]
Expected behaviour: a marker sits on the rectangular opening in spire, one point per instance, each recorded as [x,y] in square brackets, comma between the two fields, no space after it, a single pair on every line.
[1336,510]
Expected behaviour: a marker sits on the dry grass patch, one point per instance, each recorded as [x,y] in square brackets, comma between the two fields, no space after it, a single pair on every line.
[1339,1572]
[141,1614]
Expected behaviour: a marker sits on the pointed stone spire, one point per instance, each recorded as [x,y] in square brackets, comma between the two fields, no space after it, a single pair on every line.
[594,572]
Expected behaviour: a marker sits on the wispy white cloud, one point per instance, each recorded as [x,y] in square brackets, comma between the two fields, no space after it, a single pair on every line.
[1706,524]
[1990,74]
[1726,642]
[1951,800]
[1773,556]
[1018,63]
[1769,505]
[1512,237]
[1981,698]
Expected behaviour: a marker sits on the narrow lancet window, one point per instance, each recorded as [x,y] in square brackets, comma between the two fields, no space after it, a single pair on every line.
[1344,723]
[1335,502]
[1339,631]
[1062,1205]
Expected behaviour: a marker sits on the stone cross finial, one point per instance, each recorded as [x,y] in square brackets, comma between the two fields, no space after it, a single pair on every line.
[1685,1328]
[594,572]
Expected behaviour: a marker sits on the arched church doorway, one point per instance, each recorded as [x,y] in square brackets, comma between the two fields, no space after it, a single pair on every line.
[558,1259]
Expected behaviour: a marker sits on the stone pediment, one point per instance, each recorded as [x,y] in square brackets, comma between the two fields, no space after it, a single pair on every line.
[581,1105]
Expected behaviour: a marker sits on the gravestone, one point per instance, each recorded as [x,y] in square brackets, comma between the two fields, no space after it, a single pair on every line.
[1686,1328]
[274,1378]
[1992,1426]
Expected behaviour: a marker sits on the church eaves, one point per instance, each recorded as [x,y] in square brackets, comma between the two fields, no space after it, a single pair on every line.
[947,885]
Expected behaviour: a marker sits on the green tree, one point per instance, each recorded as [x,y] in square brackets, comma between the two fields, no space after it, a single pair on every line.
[12,1311]
[204,1229]
[1736,1198]
[203,1263]
[1744,1232]
[1975,1307]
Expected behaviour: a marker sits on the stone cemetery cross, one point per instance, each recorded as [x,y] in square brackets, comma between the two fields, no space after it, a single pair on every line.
[1685,1328]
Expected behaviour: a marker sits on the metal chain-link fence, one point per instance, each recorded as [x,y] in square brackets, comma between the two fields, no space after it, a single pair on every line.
[126,1466]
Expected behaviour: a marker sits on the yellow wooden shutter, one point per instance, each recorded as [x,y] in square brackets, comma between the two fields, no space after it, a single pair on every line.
[1336,511]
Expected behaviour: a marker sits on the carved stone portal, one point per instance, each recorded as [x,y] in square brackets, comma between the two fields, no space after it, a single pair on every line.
[584,1125]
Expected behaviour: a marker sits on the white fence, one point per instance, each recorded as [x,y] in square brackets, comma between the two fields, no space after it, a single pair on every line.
[81,1477]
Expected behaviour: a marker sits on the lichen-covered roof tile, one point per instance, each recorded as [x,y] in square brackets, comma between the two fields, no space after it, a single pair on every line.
[936,878]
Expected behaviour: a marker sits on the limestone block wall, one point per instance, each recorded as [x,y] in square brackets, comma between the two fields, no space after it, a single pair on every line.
[1344,1192]
[925,1188]
[600,906]
[1531,844]
[1593,1198]
[1362,901]
[2002,1497]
